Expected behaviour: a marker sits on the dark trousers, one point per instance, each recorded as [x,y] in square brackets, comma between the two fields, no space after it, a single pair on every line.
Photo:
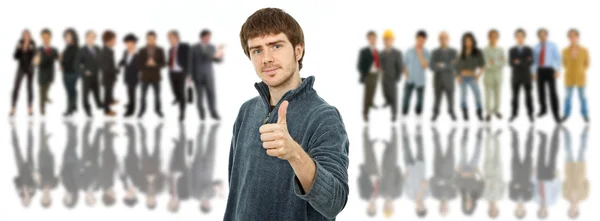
[440,90]
[408,90]
[390,93]
[108,95]
[546,78]
[516,87]
[370,86]
[44,88]
[70,81]
[207,85]
[131,89]
[91,85]
[178,86]
[22,73]
[156,88]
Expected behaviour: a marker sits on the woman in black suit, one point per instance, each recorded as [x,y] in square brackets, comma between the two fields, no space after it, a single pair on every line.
[24,54]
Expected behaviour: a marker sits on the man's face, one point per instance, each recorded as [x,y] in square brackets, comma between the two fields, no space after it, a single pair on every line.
[46,38]
[493,38]
[90,38]
[543,36]
[372,40]
[573,38]
[420,41]
[151,40]
[172,39]
[274,58]
[130,45]
[520,38]
[111,43]
[389,42]
[205,39]
[444,39]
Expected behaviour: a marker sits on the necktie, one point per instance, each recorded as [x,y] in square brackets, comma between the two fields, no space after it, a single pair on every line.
[172,60]
[48,51]
[376,58]
[542,55]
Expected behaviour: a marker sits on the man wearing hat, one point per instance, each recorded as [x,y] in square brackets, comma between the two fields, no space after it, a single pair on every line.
[391,66]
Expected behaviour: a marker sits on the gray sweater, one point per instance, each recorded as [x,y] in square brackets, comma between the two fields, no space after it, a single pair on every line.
[262,187]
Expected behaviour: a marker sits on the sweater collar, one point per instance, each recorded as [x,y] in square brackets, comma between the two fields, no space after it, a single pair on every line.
[304,87]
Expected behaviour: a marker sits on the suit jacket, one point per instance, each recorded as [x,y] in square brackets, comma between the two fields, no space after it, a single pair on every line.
[520,64]
[46,66]
[89,61]
[107,65]
[201,61]
[365,61]
[391,64]
[151,74]
[183,50]
[132,73]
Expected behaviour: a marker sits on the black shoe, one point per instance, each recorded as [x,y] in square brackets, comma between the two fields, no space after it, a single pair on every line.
[181,117]
[394,117]
[531,118]
[160,114]
[175,102]
[498,115]
[127,114]
[201,116]
[215,116]
[541,114]
[452,116]
[140,115]
[513,118]
[480,114]
[88,113]
[434,117]
[465,114]
[67,113]
[488,118]
[564,119]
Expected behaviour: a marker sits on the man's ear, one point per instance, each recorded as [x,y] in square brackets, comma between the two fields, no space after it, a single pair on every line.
[298,51]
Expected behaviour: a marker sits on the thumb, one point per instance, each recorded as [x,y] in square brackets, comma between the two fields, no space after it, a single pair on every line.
[282,113]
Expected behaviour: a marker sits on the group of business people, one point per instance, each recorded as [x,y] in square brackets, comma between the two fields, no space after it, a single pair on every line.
[91,167]
[541,64]
[98,69]
[464,178]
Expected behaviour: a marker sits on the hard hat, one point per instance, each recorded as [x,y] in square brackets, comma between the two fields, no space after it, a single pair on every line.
[388,34]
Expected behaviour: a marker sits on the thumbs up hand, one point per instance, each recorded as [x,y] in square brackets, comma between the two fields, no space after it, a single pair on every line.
[276,138]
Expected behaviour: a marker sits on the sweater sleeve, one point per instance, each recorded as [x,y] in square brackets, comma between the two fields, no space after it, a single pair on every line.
[328,148]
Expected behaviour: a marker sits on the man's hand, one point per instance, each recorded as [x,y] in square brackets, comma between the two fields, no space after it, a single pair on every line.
[459,79]
[516,61]
[276,138]
[556,74]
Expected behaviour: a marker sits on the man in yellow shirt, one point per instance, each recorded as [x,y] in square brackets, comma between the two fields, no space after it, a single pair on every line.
[576,61]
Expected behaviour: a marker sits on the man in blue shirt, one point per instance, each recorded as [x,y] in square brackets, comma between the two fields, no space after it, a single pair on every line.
[546,65]
[416,62]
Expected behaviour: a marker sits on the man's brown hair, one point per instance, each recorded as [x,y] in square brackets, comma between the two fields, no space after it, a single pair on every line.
[108,36]
[268,21]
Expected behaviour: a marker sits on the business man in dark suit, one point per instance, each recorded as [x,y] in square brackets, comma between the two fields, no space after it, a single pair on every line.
[109,71]
[132,73]
[45,59]
[25,183]
[71,165]
[90,64]
[202,56]
[369,69]
[151,61]
[521,59]
[178,64]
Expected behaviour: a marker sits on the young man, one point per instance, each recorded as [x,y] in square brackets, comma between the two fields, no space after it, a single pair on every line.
[492,79]
[521,58]
[201,60]
[369,69]
[45,59]
[271,175]
[416,62]
[576,61]
[391,65]
[109,71]
[442,64]
[178,64]
[131,76]
[151,61]
[90,62]
[546,65]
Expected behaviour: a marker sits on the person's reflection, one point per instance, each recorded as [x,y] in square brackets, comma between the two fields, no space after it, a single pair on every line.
[368,179]
[152,177]
[443,182]
[130,172]
[48,178]
[521,186]
[576,186]
[109,166]
[179,177]
[391,174]
[90,164]
[547,188]
[71,166]
[25,183]
[469,176]
[416,185]
[492,172]
[204,186]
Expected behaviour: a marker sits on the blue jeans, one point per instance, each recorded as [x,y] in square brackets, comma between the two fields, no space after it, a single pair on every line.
[469,82]
[70,81]
[582,101]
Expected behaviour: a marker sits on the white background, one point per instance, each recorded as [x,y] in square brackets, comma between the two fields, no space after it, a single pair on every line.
[334,32]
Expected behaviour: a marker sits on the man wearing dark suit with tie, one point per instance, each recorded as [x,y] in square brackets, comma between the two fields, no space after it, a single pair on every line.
[368,67]
[131,76]
[109,71]
[46,57]
[202,56]
[90,62]
[150,62]
[520,60]
[178,63]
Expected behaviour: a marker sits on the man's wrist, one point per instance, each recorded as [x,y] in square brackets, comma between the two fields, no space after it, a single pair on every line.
[298,157]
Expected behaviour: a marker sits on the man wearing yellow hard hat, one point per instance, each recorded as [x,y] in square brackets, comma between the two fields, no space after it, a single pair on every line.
[391,65]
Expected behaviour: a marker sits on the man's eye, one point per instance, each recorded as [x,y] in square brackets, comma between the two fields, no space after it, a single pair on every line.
[276,46]
[257,51]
